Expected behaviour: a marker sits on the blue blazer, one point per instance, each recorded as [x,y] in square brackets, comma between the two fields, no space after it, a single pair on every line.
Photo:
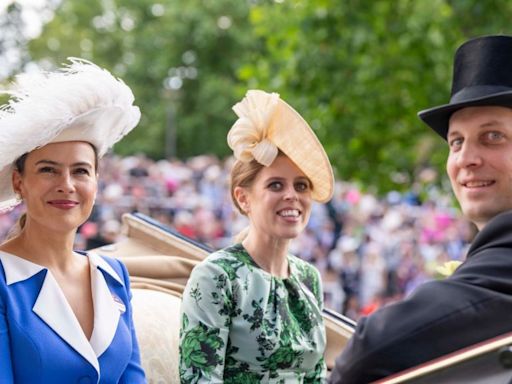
[41,340]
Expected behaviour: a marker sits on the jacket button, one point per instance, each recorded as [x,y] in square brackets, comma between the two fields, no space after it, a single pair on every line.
[84,380]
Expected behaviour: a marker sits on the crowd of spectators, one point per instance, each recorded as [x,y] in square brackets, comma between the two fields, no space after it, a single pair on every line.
[369,250]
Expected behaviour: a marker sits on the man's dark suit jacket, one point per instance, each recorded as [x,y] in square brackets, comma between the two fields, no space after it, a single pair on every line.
[472,305]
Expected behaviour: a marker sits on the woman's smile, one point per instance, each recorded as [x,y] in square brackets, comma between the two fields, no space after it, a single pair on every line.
[63,204]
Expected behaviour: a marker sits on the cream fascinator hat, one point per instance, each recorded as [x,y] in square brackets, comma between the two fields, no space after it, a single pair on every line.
[267,124]
[79,102]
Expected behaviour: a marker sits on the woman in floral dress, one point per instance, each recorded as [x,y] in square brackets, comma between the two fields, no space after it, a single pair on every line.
[252,312]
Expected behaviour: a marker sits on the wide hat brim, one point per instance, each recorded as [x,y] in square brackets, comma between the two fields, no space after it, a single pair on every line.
[438,118]
[78,102]
[294,137]
[102,127]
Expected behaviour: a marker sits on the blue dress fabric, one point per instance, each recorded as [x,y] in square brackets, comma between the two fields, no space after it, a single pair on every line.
[41,340]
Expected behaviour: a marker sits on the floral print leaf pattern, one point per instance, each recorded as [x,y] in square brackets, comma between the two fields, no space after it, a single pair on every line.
[199,349]
[256,319]
[311,280]
[299,309]
[283,358]
[243,325]
[236,372]
[313,376]
[195,293]
[225,299]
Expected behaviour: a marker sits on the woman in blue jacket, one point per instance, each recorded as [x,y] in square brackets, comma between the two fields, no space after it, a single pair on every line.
[65,317]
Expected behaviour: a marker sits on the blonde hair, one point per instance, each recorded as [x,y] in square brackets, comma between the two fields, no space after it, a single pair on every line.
[240,236]
[243,175]
[16,229]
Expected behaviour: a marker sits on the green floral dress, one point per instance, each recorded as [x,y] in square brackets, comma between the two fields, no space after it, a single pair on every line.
[242,325]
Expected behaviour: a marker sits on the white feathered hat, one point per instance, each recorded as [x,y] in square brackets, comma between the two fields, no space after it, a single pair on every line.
[79,102]
[267,124]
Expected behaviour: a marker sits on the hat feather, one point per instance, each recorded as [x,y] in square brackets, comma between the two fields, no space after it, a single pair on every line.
[44,104]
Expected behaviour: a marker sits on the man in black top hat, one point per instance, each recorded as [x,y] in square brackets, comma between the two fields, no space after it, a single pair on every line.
[475,303]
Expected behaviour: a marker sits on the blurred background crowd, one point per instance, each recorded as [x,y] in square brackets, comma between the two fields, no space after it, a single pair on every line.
[357,71]
[370,250]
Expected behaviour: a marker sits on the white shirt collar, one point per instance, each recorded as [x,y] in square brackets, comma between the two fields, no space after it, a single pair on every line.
[18,269]
[100,263]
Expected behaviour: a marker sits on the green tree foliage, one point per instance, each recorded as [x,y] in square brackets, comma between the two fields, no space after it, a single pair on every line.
[358,70]
[11,25]
[179,57]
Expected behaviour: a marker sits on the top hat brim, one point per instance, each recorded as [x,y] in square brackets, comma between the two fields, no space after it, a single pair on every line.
[438,118]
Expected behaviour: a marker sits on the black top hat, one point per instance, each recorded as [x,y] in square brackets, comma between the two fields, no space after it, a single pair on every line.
[482,75]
